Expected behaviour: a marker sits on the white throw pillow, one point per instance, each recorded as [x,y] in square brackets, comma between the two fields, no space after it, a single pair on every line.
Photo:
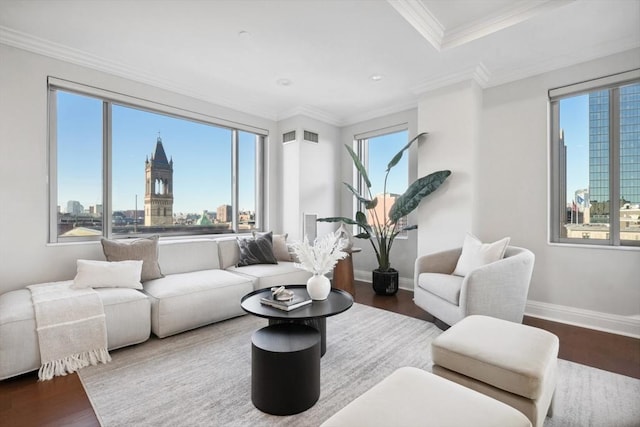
[476,254]
[106,274]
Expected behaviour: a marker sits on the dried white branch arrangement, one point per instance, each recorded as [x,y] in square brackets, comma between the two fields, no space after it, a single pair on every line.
[322,256]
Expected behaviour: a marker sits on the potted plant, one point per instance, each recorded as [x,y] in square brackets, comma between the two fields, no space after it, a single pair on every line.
[386,226]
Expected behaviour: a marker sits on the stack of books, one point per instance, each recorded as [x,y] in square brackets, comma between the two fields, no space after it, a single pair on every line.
[297,302]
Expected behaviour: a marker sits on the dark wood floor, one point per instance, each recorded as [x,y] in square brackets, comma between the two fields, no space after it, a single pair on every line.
[25,402]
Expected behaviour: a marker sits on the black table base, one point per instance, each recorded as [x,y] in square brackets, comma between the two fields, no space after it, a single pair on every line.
[285,368]
[319,324]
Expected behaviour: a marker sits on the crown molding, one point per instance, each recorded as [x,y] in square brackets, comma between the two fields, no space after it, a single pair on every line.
[416,13]
[312,112]
[380,112]
[64,53]
[505,18]
[420,18]
[479,74]
[602,50]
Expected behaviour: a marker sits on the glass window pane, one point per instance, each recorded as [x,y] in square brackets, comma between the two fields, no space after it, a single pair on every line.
[630,162]
[247,144]
[79,165]
[584,121]
[169,175]
[381,150]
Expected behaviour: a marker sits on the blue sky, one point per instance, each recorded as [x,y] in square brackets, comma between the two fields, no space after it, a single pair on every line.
[381,151]
[574,120]
[201,155]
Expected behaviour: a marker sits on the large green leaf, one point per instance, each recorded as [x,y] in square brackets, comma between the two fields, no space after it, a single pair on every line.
[357,195]
[361,220]
[337,219]
[394,161]
[411,198]
[372,204]
[359,165]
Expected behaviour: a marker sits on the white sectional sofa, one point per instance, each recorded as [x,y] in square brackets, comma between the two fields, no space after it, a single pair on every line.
[201,285]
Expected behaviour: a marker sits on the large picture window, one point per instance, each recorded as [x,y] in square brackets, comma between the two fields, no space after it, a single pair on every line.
[595,155]
[119,170]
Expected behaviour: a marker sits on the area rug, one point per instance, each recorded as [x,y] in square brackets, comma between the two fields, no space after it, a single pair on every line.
[203,377]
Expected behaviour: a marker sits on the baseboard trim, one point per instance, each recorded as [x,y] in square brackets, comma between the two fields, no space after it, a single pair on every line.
[605,322]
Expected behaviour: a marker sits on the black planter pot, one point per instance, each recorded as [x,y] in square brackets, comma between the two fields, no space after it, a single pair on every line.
[385,282]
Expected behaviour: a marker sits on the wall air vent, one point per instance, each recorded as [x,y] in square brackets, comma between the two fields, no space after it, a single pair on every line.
[310,136]
[288,136]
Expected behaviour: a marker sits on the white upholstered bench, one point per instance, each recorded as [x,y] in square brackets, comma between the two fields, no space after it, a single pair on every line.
[508,361]
[412,397]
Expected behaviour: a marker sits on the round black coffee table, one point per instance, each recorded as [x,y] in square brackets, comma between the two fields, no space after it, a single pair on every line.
[314,314]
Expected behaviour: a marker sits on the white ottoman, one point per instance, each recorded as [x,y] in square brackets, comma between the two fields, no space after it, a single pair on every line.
[513,363]
[412,397]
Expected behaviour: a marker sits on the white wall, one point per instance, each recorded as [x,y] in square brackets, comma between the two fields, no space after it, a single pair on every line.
[403,252]
[512,196]
[25,256]
[451,115]
[311,172]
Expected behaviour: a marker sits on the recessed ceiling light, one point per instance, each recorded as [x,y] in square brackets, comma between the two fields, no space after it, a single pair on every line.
[284,82]
[376,77]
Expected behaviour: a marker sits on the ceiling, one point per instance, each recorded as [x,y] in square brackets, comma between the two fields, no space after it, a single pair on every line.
[280,58]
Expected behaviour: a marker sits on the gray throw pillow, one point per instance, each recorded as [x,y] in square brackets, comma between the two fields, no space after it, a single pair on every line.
[143,249]
[258,250]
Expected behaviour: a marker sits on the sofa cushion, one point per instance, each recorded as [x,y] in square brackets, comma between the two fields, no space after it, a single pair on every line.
[128,316]
[228,252]
[258,250]
[184,301]
[144,249]
[268,275]
[183,256]
[446,286]
[107,274]
[476,254]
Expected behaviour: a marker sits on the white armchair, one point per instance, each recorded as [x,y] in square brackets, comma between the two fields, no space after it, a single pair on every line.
[498,289]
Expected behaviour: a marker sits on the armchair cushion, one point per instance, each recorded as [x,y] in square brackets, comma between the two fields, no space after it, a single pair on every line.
[476,254]
[446,286]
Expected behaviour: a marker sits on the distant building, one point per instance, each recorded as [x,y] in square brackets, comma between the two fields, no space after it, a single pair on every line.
[95,210]
[158,198]
[381,211]
[204,219]
[74,207]
[223,213]
[599,150]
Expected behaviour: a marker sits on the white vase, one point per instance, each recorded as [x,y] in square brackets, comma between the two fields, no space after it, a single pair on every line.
[318,287]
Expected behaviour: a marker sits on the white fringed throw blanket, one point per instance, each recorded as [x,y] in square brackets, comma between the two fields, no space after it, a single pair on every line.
[71,327]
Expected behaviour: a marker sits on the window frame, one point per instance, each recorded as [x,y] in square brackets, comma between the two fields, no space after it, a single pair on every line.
[557,159]
[108,99]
